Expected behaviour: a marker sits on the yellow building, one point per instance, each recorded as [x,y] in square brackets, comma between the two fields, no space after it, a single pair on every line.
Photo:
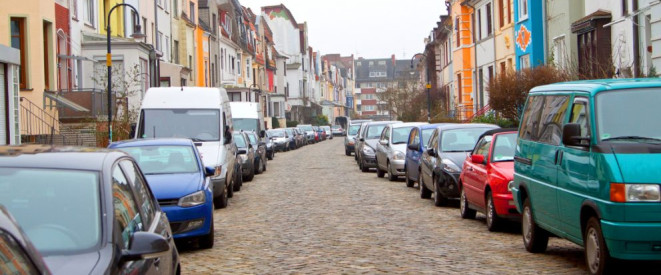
[30,28]
[504,21]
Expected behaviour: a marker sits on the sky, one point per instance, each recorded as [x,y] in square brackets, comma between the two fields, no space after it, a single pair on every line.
[365,28]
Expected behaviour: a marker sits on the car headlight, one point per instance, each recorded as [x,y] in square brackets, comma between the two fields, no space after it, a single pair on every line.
[398,155]
[621,192]
[368,150]
[191,200]
[243,157]
[449,166]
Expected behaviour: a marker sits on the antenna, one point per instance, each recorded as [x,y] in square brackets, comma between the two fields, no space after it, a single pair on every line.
[154,131]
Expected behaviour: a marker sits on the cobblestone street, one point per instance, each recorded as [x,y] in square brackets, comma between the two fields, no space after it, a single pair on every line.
[313,211]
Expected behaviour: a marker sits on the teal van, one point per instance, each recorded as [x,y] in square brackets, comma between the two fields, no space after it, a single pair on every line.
[588,168]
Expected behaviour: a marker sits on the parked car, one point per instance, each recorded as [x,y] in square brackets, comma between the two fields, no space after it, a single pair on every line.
[301,139]
[87,210]
[368,140]
[485,177]
[317,133]
[18,255]
[337,130]
[350,138]
[260,152]
[308,131]
[181,184]
[415,145]
[292,138]
[246,153]
[587,168]
[270,147]
[391,149]
[357,140]
[441,163]
[280,138]
[327,132]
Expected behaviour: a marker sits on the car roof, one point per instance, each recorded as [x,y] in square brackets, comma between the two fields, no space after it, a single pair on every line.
[498,131]
[369,123]
[151,142]
[599,85]
[56,157]
[465,126]
[407,124]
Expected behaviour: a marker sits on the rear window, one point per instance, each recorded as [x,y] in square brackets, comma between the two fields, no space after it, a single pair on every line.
[374,131]
[164,159]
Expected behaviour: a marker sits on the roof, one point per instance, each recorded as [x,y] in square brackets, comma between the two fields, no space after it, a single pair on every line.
[408,124]
[280,11]
[433,126]
[451,126]
[599,85]
[55,157]
[499,130]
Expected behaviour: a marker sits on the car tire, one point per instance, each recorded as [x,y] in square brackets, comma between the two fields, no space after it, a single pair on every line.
[364,168]
[238,182]
[346,152]
[271,155]
[597,257]
[424,192]
[250,176]
[230,189]
[535,239]
[465,211]
[439,199]
[493,221]
[206,241]
[221,201]
[379,173]
[409,181]
[259,167]
[391,175]
[264,166]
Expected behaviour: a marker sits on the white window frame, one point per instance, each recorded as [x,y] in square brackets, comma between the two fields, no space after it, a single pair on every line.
[525,61]
[88,12]
[523,9]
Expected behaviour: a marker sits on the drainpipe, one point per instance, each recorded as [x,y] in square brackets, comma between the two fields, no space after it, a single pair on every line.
[636,42]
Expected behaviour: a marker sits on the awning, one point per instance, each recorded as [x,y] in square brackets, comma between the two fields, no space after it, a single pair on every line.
[65,102]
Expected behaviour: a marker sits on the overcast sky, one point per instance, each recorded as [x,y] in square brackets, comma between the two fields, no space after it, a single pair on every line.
[365,28]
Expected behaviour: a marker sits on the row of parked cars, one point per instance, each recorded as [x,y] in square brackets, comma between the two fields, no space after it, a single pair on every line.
[583,165]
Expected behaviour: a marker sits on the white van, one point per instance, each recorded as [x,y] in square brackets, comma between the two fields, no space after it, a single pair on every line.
[201,114]
[247,116]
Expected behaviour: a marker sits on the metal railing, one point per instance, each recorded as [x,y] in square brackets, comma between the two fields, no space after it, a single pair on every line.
[40,127]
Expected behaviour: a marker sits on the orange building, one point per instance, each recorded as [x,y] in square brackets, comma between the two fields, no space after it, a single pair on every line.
[463,55]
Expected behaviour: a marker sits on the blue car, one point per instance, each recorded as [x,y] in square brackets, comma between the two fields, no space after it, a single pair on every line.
[417,143]
[181,184]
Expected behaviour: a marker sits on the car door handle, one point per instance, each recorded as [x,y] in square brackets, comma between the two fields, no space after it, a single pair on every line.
[157,262]
[469,168]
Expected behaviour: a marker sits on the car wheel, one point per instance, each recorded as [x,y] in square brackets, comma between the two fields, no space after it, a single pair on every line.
[379,173]
[493,221]
[270,157]
[597,256]
[535,239]
[221,201]
[238,181]
[258,170]
[346,152]
[424,192]
[465,211]
[409,181]
[230,189]
[206,241]
[439,199]
[250,176]
[391,175]
[264,165]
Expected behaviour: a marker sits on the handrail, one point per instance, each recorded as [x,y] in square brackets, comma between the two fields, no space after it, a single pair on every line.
[42,126]
[479,112]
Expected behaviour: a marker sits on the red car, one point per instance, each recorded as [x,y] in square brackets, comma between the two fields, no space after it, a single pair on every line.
[485,177]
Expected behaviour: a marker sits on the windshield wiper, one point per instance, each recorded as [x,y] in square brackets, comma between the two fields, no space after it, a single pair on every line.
[632,138]
[399,142]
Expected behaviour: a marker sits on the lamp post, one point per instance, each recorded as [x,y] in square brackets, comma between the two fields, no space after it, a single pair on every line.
[427,85]
[136,34]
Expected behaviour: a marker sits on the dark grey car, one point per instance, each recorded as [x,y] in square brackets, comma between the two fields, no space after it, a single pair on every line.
[441,162]
[87,210]
[368,137]
[21,256]
[260,152]
[247,155]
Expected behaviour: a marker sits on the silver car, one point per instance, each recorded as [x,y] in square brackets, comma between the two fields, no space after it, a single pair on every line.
[391,149]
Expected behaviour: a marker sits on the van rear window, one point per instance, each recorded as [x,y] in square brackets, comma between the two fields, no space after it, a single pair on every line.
[198,124]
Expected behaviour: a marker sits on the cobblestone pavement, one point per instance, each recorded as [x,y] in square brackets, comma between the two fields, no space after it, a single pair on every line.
[314,212]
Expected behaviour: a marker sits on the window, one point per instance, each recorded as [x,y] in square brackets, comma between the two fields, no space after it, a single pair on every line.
[459,92]
[13,258]
[501,13]
[143,196]
[479,25]
[523,9]
[489,26]
[214,24]
[552,118]
[530,120]
[483,145]
[192,12]
[175,8]
[525,61]
[175,51]
[414,137]
[127,215]
[74,10]
[159,42]
[18,41]
[88,12]
[503,67]
[625,7]
[559,52]
[579,115]
[47,42]
[457,31]
[167,51]
[509,12]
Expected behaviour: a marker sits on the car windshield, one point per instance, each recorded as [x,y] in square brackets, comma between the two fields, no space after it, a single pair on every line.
[374,131]
[353,129]
[460,140]
[239,141]
[276,133]
[426,135]
[336,127]
[289,132]
[401,135]
[503,148]
[616,110]
[306,128]
[253,138]
[200,125]
[58,209]
[245,124]
[164,159]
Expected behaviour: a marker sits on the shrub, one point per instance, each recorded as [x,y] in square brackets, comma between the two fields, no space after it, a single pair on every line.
[292,123]
[492,119]
[275,123]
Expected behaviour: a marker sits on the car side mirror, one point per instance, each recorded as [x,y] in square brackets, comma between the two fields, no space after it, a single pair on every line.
[571,135]
[262,133]
[249,146]
[431,152]
[383,142]
[227,135]
[413,147]
[479,159]
[361,139]
[242,151]
[209,171]
[145,245]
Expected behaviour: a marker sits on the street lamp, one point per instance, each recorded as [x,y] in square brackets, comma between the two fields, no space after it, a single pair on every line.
[427,85]
[136,34]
